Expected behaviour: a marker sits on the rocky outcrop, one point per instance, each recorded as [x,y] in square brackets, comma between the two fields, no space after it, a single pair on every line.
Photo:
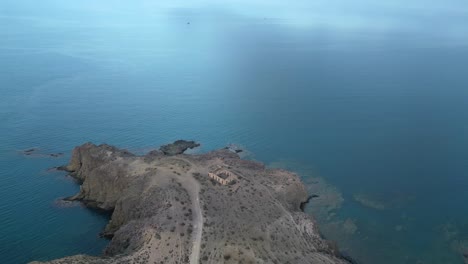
[178,147]
[165,209]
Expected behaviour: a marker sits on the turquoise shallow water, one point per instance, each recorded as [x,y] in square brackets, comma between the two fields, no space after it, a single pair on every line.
[377,113]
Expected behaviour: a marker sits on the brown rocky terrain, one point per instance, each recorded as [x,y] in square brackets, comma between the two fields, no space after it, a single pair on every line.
[165,209]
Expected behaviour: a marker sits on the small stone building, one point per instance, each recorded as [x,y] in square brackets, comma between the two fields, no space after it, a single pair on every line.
[222,176]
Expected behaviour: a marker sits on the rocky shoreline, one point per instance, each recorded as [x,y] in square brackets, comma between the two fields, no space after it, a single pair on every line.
[165,208]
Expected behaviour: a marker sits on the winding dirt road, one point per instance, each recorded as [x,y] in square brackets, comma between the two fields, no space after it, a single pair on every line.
[193,188]
[197,223]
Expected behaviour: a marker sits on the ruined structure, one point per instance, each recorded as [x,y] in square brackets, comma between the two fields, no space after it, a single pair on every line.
[222,176]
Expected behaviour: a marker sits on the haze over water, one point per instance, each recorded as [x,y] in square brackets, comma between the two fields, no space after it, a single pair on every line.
[372,97]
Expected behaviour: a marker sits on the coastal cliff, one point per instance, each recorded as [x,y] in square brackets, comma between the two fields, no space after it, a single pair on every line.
[166,209]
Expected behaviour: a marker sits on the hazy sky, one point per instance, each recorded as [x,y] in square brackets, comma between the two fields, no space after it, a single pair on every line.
[442,19]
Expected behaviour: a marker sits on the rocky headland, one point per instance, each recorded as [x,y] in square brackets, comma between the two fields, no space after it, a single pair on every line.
[166,209]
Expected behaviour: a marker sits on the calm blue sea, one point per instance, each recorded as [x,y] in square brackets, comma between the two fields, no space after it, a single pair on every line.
[373,106]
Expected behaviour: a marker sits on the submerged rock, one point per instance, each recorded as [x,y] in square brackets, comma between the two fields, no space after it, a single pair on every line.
[166,209]
[30,150]
[36,152]
[234,148]
[461,246]
[366,201]
[349,226]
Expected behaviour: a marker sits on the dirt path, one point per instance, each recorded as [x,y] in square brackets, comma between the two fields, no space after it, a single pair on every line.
[193,188]
[197,224]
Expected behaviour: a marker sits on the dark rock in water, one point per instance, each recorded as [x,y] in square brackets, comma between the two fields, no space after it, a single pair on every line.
[73,198]
[107,235]
[303,204]
[53,169]
[61,168]
[234,148]
[34,151]
[178,147]
[346,256]
[63,203]
[30,150]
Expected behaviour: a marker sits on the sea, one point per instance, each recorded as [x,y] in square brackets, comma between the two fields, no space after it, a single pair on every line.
[371,98]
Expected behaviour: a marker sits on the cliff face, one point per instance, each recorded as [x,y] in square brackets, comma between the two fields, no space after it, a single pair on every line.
[167,210]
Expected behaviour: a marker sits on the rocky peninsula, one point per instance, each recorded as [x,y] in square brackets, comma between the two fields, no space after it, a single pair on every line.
[167,209]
